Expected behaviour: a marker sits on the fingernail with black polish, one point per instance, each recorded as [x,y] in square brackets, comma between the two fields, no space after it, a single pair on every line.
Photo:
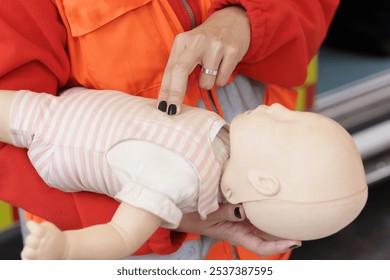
[237,212]
[162,106]
[172,109]
[292,247]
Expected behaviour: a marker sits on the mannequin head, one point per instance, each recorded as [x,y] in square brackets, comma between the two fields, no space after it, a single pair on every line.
[298,175]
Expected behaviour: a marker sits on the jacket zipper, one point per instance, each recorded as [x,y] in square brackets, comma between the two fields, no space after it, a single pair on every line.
[193,25]
[190,13]
[211,101]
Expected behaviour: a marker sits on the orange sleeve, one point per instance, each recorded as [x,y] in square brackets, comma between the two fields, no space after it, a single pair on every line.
[285,35]
[33,57]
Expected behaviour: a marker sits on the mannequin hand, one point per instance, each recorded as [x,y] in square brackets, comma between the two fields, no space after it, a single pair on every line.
[224,225]
[45,242]
[218,44]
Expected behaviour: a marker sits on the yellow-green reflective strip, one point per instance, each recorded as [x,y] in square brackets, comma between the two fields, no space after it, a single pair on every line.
[312,78]
[6,215]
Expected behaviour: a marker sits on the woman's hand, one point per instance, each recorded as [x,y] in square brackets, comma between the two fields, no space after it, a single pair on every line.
[218,45]
[229,223]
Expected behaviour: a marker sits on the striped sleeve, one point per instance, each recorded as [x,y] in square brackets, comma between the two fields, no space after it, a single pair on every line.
[27,114]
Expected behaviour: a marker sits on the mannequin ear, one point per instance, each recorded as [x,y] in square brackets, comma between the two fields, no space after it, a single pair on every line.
[264,183]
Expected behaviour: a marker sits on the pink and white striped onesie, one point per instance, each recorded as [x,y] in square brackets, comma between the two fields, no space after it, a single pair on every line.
[103,141]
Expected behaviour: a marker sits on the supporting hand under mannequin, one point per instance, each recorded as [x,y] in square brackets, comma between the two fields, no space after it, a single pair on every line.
[237,231]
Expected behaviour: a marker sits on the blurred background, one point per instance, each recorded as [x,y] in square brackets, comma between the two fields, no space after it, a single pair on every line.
[354,89]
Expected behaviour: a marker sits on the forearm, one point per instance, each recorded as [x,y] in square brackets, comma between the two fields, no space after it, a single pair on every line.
[6,98]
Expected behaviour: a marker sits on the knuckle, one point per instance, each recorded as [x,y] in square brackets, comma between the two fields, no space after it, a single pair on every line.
[175,95]
[232,51]
[164,90]
[217,45]
[200,38]
[180,38]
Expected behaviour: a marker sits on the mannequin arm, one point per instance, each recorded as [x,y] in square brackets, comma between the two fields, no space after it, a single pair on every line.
[128,230]
[6,97]
[122,236]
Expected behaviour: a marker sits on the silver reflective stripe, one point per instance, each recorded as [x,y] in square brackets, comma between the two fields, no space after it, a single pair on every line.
[241,95]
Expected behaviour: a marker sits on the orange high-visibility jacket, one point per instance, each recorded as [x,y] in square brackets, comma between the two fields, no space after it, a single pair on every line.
[124,45]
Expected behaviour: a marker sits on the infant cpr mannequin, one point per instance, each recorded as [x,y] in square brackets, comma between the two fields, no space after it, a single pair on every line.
[298,175]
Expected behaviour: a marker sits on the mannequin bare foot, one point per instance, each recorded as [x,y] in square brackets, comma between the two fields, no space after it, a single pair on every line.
[44,242]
